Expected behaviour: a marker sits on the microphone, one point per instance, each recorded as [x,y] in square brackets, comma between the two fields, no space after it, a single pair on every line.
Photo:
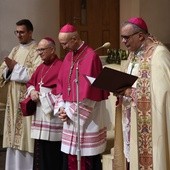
[105,45]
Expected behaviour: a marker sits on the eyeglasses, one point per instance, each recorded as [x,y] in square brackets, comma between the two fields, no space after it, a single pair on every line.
[19,32]
[127,37]
[40,50]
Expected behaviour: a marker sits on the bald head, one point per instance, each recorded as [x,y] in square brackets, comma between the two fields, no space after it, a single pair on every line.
[62,36]
[47,42]
[70,40]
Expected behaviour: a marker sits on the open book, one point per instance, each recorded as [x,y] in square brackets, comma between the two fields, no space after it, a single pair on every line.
[112,80]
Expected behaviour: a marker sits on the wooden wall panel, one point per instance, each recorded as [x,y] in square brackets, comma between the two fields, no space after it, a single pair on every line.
[97,21]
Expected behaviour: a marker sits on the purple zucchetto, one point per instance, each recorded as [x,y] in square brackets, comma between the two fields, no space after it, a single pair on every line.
[139,22]
[49,39]
[68,28]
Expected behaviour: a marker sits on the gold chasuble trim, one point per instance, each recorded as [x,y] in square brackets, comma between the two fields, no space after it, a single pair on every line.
[144,117]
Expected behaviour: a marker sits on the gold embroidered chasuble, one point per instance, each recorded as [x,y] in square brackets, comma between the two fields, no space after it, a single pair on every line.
[150,130]
[16,127]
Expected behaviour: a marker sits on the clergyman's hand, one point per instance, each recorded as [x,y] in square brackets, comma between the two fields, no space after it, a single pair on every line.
[34,95]
[62,115]
[10,63]
[123,92]
[128,92]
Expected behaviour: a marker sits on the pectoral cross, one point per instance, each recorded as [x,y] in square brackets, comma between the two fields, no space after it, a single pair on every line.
[40,83]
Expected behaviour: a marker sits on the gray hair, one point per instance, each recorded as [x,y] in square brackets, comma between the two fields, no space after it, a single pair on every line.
[135,27]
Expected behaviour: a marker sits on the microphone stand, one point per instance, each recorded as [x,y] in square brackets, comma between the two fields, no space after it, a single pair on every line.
[78,120]
[106,45]
[98,48]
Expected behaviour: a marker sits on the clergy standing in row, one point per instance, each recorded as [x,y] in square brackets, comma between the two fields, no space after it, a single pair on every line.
[15,71]
[83,60]
[46,128]
[145,106]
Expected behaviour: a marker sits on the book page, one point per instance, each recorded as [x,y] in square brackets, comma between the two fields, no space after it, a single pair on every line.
[91,79]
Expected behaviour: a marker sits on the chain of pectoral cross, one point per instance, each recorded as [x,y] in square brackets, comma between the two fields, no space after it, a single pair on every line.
[42,76]
[71,69]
